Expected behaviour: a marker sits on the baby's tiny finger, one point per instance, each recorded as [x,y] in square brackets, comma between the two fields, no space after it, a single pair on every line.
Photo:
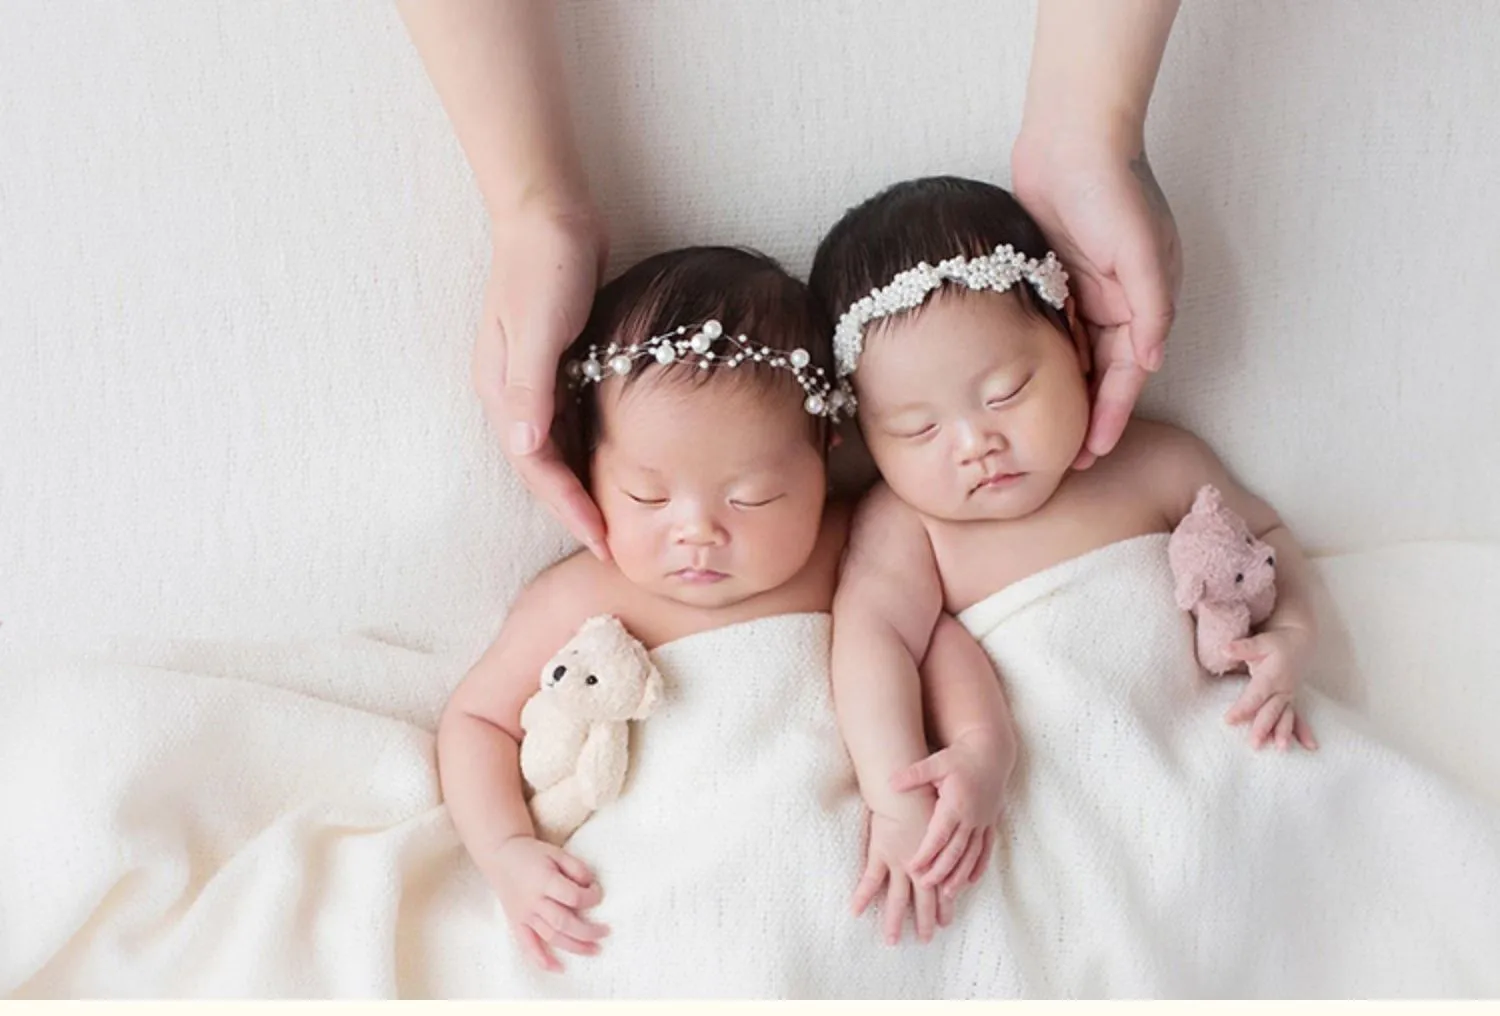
[572,895]
[567,943]
[1249,703]
[1266,719]
[924,912]
[896,899]
[574,868]
[1284,727]
[984,854]
[954,852]
[940,831]
[959,876]
[944,911]
[536,950]
[569,923]
[1304,734]
[869,886]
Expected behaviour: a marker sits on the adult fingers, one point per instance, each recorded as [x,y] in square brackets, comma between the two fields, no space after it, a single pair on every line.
[1114,400]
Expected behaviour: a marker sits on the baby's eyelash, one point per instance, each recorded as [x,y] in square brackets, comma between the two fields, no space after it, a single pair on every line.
[755,504]
[916,433]
[650,502]
[1007,398]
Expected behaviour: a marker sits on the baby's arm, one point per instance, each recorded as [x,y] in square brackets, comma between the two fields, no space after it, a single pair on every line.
[542,889]
[971,721]
[887,603]
[1284,645]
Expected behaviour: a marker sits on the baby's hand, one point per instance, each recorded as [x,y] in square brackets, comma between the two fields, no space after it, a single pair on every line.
[894,840]
[1275,658]
[543,891]
[969,777]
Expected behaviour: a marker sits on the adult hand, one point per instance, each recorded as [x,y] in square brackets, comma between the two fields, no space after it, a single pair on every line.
[1108,220]
[545,268]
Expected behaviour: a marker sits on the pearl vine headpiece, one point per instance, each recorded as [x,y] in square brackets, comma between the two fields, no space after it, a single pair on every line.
[998,271]
[697,346]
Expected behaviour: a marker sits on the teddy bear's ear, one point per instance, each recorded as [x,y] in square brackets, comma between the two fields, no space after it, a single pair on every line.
[1208,499]
[1189,591]
[650,695]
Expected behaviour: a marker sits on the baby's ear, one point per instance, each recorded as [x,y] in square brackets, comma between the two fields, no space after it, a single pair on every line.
[650,695]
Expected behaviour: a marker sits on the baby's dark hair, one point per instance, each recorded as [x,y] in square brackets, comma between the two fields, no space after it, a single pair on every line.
[929,219]
[747,292]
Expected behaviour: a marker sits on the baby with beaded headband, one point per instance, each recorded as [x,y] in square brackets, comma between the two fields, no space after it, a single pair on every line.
[697,407]
[957,333]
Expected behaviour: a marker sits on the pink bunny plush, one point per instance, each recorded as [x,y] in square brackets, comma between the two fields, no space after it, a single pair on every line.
[1224,576]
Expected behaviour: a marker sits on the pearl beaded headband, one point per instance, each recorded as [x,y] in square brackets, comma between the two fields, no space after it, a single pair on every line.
[698,347]
[998,271]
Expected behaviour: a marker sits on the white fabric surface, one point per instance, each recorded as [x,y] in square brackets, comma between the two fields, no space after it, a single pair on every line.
[202,834]
[240,259]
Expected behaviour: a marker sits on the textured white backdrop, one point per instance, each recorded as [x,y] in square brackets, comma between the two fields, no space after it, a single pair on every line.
[240,258]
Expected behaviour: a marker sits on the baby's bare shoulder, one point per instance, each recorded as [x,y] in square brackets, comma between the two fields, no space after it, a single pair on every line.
[544,615]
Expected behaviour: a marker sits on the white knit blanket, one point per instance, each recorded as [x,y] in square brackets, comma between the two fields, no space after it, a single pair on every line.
[194,833]
[1152,852]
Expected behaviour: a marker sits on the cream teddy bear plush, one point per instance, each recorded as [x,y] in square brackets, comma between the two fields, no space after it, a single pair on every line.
[1224,576]
[576,746]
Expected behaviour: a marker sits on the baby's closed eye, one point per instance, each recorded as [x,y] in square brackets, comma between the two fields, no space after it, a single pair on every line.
[756,501]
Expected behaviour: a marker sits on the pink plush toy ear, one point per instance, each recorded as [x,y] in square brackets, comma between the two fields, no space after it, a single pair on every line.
[1209,500]
[1189,591]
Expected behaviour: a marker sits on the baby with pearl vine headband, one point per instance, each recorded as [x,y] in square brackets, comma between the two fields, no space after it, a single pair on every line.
[956,332]
[697,407]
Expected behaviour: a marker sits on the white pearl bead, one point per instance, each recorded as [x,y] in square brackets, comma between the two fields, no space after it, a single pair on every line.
[665,353]
[712,329]
[620,365]
[800,358]
[592,370]
[701,342]
[814,405]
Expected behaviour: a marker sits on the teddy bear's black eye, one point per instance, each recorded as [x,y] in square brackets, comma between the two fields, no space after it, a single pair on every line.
[557,675]
[591,679]
[1240,577]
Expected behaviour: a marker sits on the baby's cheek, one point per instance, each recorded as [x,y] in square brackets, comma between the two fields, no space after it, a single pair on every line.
[632,542]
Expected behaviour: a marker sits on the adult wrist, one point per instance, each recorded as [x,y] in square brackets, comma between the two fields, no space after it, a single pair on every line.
[570,207]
